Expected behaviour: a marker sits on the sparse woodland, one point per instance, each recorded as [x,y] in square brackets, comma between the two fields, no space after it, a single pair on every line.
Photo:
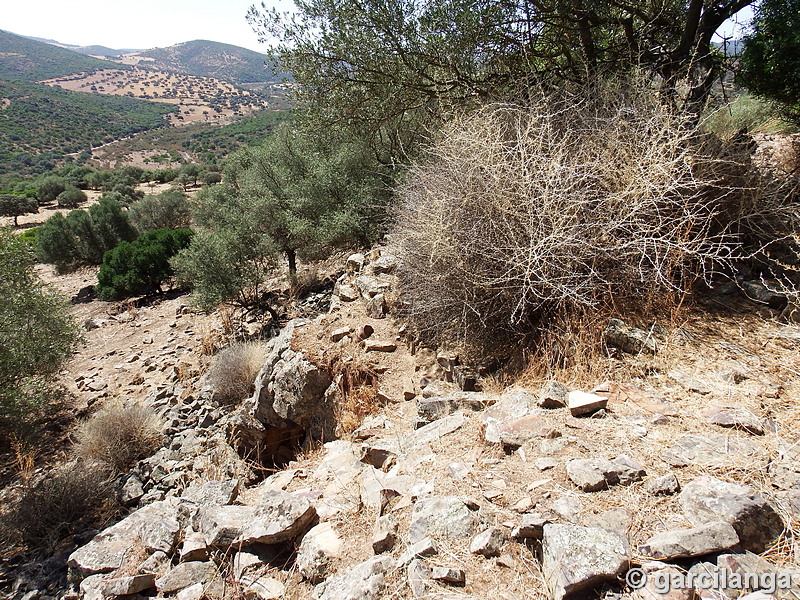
[505,306]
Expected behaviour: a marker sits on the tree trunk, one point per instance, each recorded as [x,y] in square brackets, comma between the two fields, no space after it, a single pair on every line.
[291,255]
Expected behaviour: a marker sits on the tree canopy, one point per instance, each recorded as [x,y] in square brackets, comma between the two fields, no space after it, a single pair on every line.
[770,64]
[390,65]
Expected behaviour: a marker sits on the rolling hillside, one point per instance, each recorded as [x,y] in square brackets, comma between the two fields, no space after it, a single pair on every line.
[24,59]
[209,59]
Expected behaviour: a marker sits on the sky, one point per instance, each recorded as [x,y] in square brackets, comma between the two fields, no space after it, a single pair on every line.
[138,24]
[144,24]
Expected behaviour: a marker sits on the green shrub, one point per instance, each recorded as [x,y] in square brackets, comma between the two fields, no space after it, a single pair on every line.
[71,197]
[83,236]
[142,265]
[36,333]
[167,210]
[13,205]
[49,188]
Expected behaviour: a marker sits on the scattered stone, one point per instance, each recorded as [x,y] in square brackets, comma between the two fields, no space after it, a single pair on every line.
[379,346]
[355,262]
[657,575]
[684,543]
[545,463]
[364,331]
[131,491]
[347,292]
[339,334]
[379,452]
[129,584]
[567,508]
[576,558]
[458,471]
[629,339]
[319,547]
[515,433]
[418,576]
[194,547]
[424,547]
[445,516]
[449,575]
[595,474]
[264,588]
[185,574]
[384,534]
[583,404]
[531,527]
[212,492]
[554,395]
[365,581]
[735,417]
[666,485]
[193,592]
[376,307]
[489,542]
[706,499]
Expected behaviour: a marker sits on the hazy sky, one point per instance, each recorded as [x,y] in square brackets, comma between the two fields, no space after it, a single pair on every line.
[134,23]
[150,23]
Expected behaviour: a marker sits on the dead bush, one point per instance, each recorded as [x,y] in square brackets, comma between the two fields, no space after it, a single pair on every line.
[233,371]
[119,435]
[56,503]
[523,221]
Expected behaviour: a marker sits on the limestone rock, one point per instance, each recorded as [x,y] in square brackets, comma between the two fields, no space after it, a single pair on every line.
[278,517]
[319,547]
[212,492]
[128,584]
[488,542]
[666,485]
[629,339]
[445,516]
[594,474]
[263,588]
[384,534]
[531,527]
[706,499]
[576,558]
[155,527]
[583,404]
[715,451]
[736,417]
[376,307]
[365,581]
[449,575]
[184,575]
[419,578]
[657,575]
[553,395]
[684,543]
[194,547]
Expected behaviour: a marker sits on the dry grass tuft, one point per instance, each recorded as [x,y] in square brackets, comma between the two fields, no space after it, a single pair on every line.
[53,505]
[234,370]
[118,436]
[526,223]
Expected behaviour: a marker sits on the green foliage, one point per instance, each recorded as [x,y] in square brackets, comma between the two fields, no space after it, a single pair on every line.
[294,196]
[83,236]
[745,113]
[49,188]
[12,205]
[391,66]
[142,265]
[30,237]
[166,210]
[770,64]
[71,197]
[28,60]
[42,124]
[36,334]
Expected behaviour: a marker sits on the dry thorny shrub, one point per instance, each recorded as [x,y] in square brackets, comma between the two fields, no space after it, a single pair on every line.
[119,435]
[234,370]
[525,223]
[52,505]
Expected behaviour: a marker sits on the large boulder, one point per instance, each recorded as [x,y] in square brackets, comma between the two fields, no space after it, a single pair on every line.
[578,558]
[290,390]
[155,527]
[707,499]
[684,543]
[365,581]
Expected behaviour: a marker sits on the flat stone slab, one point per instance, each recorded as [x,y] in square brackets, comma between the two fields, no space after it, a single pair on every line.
[365,581]
[716,451]
[445,516]
[684,543]
[154,526]
[578,558]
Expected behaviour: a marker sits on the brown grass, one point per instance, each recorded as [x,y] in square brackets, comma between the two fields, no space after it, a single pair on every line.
[233,371]
[118,436]
[527,224]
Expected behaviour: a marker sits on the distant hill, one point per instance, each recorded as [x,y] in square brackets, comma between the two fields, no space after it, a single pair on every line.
[94,50]
[39,124]
[211,59]
[24,59]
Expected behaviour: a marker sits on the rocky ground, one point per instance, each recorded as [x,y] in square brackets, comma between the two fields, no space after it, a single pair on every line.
[680,457]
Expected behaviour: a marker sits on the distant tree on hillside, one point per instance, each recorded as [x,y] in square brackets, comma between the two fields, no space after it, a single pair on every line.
[49,188]
[12,205]
[71,197]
